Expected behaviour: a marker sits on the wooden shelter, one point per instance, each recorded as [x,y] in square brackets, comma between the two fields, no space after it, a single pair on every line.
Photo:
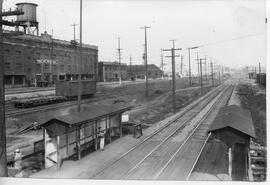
[233,126]
[67,135]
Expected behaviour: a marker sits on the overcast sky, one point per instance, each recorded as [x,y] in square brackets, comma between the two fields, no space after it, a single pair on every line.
[231,31]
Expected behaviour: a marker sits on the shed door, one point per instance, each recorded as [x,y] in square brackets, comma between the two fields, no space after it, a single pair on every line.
[239,163]
[50,150]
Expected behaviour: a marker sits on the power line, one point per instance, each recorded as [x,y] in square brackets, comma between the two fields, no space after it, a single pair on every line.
[233,39]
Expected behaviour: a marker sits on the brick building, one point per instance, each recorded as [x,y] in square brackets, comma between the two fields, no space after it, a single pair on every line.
[138,71]
[29,59]
[110,71]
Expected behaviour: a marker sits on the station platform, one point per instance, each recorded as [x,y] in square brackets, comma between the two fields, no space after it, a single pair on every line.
[91,164]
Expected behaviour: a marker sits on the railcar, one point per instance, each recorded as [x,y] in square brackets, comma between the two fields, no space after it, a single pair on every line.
[261,79]
[69,89]
[64,91]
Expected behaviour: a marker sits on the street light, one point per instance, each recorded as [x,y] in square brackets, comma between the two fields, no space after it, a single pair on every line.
[190,48]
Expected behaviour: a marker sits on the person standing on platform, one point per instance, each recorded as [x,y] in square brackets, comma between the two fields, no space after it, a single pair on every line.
[101,138]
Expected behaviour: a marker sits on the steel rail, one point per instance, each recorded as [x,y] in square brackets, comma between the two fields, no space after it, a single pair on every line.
[193,166]
[18,112]
[172,134]
[189,174]
[190,136]
[213,92]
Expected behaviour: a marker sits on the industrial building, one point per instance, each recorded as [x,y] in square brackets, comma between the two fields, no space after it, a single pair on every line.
[110,71]
[30,59]
[138,71]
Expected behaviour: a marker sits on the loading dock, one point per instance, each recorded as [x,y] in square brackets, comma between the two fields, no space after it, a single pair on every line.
[69,135]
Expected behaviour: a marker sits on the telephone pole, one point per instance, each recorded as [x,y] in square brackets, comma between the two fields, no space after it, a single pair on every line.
[119,60]
[259,72]
[181,65]
[3,152]
[212,73]
[130,63]
[219,75]
[205,67]
[162,64]
[222,74]
[173,70]
[74,30]
[198,65]
[52,60]
[190,48]
[80,65]
[145,59]
[201,79]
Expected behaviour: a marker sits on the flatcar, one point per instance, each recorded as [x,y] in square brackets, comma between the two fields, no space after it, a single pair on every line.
[64,91]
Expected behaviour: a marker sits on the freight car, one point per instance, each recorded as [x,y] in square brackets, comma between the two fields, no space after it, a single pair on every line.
[252,75]
[261,79]
[64,91]
[69,89]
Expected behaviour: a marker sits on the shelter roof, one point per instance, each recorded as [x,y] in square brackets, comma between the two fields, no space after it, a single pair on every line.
[95,113]
[235,117]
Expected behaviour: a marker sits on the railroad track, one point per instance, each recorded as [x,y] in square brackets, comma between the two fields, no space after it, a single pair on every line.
[11,111]
[154,156]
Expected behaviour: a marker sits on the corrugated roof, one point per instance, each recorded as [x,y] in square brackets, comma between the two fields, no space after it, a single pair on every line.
[96,112]
[235,117]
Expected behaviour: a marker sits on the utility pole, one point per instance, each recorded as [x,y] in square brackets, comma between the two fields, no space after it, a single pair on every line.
[52,59]
[173,71]
[181,65]
[130,63]
[74,30]
[190,48]
[145,59]
[219,74]
[162,64]
[3,152]
[205,67]
[198,65]
[212,73]
[259,72]
[80,64]
[119,60]
[222,74]
[201,79]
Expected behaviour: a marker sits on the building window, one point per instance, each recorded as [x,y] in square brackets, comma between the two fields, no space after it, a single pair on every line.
[69,68]
[7,51]
[62,67]
[46,66]
[18,66]
[7,66]
[18,52]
